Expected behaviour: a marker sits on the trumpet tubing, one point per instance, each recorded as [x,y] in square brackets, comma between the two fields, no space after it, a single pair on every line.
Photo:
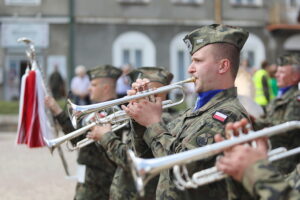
[77,112]
[115,119]
[144,169]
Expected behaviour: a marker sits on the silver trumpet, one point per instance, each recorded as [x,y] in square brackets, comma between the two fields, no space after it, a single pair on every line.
[145,169]
[118,119]
[76,112]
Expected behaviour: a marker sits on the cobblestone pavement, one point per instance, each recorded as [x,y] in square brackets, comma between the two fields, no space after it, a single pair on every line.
[33,174]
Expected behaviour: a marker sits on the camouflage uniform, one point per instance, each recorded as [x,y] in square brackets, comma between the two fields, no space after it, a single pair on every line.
[193,130]
[99,169]
[123,186]
[280,110]
[265,183]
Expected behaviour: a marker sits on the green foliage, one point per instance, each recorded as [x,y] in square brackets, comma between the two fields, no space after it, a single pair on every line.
[12,107]
[9,107]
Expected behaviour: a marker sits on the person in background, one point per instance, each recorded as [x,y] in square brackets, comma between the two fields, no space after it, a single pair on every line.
[244,82]
[263,90]
[284,108]
[273,81]
[97,170]
[250,166]
[57,84]
[123,82]
[79,86]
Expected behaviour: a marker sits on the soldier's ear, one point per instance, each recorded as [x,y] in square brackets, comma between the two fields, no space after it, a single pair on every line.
[224,65]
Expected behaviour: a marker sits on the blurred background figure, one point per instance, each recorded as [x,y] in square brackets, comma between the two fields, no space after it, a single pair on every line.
[79,86]
[273,82]
[13,84]
[262,83]
[123,83]
[243,81]
[57,84]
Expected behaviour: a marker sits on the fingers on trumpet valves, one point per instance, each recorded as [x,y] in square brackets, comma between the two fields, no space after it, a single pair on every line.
[237,129]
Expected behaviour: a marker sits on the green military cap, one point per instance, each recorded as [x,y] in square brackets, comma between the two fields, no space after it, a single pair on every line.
[106,71]
[215,33]
[289,59]
[154,74]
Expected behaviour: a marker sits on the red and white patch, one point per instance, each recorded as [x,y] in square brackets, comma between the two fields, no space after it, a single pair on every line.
[220,116]
[298,98]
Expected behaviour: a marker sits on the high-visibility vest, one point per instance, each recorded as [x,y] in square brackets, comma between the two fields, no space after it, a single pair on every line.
[259,91]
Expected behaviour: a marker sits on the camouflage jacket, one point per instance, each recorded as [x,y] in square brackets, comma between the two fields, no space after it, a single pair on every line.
[99,169]
[192,130]
[280,110]
[123,186]
[265,183]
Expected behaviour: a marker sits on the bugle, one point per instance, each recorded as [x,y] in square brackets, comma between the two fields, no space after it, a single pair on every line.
[76,112]
[144,169]
[118,119]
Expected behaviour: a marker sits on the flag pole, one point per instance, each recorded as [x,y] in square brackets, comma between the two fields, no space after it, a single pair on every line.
[31,54]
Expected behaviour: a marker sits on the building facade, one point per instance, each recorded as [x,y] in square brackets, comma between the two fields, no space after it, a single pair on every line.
[139,32]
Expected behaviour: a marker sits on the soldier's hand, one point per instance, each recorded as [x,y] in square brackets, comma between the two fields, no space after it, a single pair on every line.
[237,158]
[52,105]
[138,86]
[145,112]
[97,132]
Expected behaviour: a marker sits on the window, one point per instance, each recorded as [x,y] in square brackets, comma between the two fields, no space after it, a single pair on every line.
[134,48]
[134,1]
[23,2]
[254,51]
[133,57]
[188,1]
[246,2]
[293,3]
[180,58]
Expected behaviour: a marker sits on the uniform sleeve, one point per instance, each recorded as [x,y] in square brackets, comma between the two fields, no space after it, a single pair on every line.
[115,149]
[159,139]
[263,182]
[65,122]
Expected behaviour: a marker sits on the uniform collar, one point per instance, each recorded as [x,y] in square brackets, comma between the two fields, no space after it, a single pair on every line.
[218,98]
[286,91]
[204,97]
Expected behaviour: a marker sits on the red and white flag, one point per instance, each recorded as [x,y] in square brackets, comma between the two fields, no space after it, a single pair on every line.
[33,125]
[219,116]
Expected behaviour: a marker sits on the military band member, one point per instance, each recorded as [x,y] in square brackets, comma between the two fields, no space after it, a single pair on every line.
[286,107]
[250,166]
[98,169]
[123,186]
[215,51]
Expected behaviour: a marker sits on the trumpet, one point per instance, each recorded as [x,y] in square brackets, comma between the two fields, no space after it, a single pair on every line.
[118,119]
[144,169]
[76,112]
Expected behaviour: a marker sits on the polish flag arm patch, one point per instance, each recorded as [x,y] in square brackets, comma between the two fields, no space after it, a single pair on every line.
[298,98]
[220,116]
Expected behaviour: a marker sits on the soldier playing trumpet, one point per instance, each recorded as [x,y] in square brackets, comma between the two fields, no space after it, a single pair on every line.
[215,51]
[97,169]
[123,185]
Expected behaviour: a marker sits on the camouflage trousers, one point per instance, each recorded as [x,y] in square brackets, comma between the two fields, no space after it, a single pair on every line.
[86,191]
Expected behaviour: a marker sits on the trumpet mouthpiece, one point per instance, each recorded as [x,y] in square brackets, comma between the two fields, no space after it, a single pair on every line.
[192,79]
